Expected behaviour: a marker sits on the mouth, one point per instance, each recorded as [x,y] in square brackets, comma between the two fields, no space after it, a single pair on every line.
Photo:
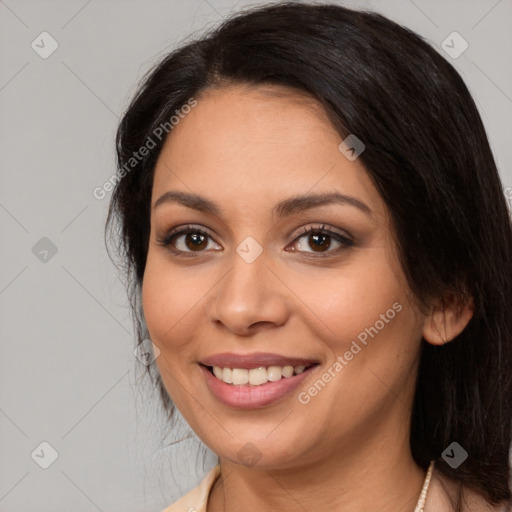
[254,380]
[256,376]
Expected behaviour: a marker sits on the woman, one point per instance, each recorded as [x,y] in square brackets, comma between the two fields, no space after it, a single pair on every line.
[318,244]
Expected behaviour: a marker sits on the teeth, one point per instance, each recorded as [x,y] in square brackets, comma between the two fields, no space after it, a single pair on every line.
[274,373]
[287,371]
[227,375]
[240,376]
[256,376]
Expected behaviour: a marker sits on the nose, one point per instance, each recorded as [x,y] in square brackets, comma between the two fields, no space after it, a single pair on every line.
[249,298]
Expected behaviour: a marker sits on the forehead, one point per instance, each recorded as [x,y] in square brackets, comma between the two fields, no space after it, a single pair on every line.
[238,115]
[260,141]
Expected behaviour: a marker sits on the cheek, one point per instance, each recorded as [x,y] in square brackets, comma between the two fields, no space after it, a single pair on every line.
[364,318]
[168,298]
[347,300]
[168,302]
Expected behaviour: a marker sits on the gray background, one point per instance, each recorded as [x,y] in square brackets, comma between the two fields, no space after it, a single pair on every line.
[68,373]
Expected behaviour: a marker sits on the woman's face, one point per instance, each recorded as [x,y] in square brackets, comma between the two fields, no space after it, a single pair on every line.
[252,292]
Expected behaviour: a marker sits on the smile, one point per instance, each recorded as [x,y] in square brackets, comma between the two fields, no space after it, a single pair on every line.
[254,380]
[256,376]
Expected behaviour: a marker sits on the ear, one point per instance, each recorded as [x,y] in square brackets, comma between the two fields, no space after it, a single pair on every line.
[448,318]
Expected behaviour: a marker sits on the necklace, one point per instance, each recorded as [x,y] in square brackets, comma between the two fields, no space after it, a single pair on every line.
[423,496]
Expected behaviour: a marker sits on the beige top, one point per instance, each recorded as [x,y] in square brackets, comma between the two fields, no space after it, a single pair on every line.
[197,498]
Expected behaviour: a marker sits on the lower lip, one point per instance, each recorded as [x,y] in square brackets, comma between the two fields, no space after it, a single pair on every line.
[246,396]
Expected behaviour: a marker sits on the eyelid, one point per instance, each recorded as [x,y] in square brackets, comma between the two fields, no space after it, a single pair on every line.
[322,227]
[185,228]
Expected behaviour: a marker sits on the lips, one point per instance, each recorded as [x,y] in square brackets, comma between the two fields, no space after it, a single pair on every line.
[256,360]
[267,391]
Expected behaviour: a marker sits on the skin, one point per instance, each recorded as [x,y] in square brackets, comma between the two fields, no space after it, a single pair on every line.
[246,149]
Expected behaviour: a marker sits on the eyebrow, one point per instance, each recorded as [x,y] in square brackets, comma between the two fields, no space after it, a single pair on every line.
[289,206]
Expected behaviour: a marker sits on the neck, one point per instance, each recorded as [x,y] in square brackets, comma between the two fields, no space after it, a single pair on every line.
[380,476]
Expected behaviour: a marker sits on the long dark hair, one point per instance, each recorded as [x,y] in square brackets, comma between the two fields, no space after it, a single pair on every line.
[428,155]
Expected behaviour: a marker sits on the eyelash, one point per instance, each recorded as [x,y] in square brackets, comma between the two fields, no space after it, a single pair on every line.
[170,237]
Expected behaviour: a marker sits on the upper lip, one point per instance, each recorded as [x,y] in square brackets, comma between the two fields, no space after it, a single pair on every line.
[255,360]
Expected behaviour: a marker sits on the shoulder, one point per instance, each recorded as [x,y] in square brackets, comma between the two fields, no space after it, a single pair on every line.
[443,495]
[196,500]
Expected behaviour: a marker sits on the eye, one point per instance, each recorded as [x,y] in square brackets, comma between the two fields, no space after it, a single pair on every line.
[320,239]
[188,239]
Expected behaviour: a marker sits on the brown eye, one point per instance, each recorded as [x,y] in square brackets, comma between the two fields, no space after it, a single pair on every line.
[318,242]
[195,241]
[186,240]
[321,240]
